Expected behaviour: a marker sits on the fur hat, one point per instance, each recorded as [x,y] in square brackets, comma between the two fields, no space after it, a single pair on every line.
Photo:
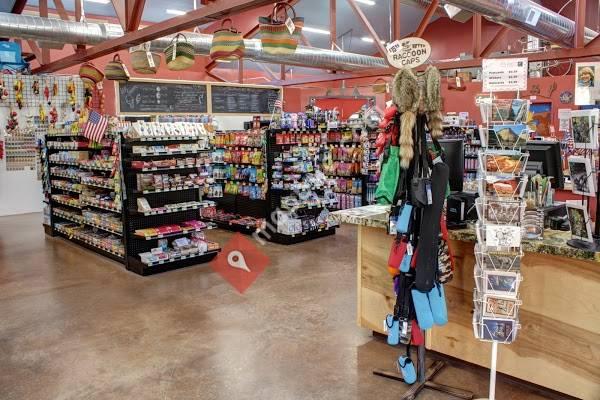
[432,101]
[406,96]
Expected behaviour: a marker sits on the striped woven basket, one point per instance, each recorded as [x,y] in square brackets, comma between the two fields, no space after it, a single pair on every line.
[227,43]
[115,70]
[90,75]
[274,34]
[179,54]
[144,61]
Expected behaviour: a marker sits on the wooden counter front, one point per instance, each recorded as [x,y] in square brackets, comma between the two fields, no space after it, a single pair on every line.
[558,346]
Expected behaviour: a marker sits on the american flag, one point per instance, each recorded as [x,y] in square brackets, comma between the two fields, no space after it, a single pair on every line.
[95,127]
[278,104]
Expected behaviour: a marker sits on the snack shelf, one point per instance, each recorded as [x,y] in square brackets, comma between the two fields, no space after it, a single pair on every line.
[185,195]
[103,207]
[83,221]
[161,138]
[169,210]
[280,238]
[92,246]
[173,234]
[58,213]
[240,164]
[96,168]
[175,189]
[156,169]
[167,153]
[179,258]
[74,163]
[237,147]
[66,189]
[112,187]
[228,225]
[242,182]
[67,176]
[66,204]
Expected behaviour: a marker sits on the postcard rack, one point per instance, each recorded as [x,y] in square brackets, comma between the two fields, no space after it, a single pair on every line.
[500,228]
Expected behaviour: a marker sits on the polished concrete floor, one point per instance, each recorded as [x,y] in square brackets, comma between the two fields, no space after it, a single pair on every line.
[75,325]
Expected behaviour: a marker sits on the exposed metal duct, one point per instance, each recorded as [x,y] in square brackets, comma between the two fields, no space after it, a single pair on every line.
[527,17]
[89,33]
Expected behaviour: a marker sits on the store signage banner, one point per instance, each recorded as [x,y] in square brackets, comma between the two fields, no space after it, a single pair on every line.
[504,74]
[408,52]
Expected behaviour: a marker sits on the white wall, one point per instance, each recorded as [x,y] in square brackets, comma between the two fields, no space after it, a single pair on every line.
[20,192]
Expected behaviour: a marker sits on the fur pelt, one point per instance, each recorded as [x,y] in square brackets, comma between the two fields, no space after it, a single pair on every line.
[406,91]
[406,96]
[435,122]
[432,95]
[407,152]
[433,101]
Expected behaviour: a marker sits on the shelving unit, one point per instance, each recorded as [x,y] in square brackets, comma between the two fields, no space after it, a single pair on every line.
[308,221]
[238,166]
[159,196]
[472,144]
[70,216]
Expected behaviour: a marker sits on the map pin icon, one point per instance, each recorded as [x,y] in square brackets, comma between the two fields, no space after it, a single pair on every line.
[235,259]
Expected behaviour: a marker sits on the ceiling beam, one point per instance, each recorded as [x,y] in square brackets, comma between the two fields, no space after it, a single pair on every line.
[60,9]
[426,18]
[209,13]
[43,10]
[396,35]
[135,9]
[476,35]
[594,42]
[560,54]
[121,12]
[18,6]
[62,13]
[361,16]
[216,77]
[35,50]
[332,23]
[580,6]
[304,40]
[497,37]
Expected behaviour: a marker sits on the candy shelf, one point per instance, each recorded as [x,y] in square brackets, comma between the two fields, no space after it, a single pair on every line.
[157,200]
[96,162]
[237,157]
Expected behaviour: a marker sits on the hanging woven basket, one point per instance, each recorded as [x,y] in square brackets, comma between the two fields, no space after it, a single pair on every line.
[90,74]
[116,71]
[144,61]
[179,55]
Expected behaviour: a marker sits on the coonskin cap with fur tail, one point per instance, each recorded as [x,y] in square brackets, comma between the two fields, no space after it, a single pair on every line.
[406,91]
[406,96]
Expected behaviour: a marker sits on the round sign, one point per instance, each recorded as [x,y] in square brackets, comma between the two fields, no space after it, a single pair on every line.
[408,52]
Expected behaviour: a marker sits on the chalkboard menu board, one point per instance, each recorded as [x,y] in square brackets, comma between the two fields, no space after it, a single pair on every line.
[155,97]
[237,100]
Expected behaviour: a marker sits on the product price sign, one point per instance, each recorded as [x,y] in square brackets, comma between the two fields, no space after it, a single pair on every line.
[504,74]
[408,52]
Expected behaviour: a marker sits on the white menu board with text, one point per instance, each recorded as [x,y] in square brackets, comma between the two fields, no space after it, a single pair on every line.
[504,74]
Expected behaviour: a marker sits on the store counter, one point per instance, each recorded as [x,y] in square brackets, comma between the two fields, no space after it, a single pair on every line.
[558,346]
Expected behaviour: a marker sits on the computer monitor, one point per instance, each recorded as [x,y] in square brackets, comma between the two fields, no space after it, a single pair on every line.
[545,158]
[455,159]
